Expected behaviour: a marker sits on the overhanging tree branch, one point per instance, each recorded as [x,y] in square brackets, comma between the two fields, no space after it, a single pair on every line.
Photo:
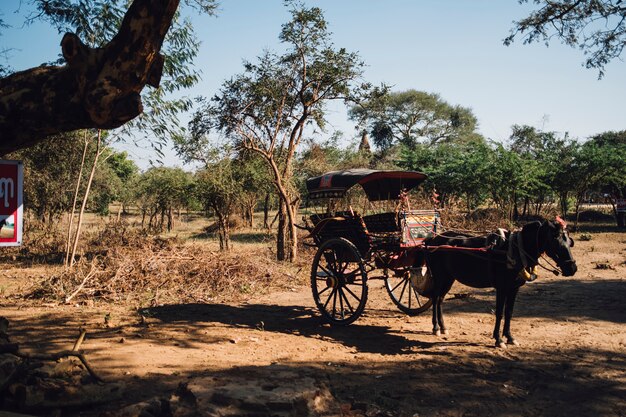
[98,88]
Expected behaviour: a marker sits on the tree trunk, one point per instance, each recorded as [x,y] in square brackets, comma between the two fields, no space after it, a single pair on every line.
[579,200]
[98,88]
[266,211]
[620,216]
[71,218]
[223,230]
[85,197]
[281,233]
[293,248]
[563,203]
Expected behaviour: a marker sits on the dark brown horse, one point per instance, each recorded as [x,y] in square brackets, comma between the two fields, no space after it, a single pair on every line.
[483,262]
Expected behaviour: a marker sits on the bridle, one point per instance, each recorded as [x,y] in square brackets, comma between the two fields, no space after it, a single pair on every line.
[525,257]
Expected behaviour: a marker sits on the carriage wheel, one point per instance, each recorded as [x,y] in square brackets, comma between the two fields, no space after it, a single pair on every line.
[405,296]
[339,281]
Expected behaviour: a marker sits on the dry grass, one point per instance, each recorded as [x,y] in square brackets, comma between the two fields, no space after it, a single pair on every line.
[121,263]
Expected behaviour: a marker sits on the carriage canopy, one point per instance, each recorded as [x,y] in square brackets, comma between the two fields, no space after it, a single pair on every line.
[378,185]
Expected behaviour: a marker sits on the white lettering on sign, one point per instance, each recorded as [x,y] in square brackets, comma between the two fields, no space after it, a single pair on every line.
[7,190]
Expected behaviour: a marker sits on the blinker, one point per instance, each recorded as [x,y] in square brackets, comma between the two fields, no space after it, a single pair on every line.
[528,274]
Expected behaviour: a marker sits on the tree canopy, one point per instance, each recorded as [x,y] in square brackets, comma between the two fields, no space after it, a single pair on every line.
[597,27]
[411,117]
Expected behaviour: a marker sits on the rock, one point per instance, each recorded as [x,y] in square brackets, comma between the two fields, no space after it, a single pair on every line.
[285,394]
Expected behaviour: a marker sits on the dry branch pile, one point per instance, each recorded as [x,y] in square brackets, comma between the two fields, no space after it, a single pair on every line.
[126,264]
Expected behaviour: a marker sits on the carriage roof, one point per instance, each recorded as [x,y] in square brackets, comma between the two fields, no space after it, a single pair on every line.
[378,185]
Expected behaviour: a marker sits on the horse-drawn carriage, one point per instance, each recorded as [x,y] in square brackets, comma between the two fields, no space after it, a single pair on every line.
[352,246]
[407,249]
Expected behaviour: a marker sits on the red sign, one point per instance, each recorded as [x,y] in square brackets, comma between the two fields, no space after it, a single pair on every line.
[11,209]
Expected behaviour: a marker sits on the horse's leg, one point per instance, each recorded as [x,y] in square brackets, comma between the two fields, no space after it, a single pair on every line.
[508,314]
[500,301]
[440,317]
[436,310]
[438,325]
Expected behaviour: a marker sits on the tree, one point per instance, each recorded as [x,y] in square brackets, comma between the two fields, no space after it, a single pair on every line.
[114,180]
[219,189]
[456,170]
[98,87]
[161,191]
[410,117]
[612,146]
[256,183]
[597,27]
[267,108]
[51,169]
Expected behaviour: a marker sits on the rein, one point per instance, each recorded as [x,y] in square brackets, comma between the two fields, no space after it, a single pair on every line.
[524,256]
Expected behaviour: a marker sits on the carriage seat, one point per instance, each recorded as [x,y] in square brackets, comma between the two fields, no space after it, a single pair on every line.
[316,218]
[382,223]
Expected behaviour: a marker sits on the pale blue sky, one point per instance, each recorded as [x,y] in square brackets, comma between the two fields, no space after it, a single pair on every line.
[450,47]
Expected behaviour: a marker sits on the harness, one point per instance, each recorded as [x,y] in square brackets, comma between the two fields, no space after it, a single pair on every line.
[515,254]
[529,271]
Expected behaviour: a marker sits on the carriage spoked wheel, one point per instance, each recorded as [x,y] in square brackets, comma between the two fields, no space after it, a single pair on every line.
[404,292]
[339,281]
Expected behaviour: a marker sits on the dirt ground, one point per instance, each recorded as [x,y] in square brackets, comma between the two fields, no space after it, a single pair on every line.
[571,361]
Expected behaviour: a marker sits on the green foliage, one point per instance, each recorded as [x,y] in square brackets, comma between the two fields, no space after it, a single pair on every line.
[115,180]
[456,171]
[267,107]
[411,117]
[218,186]
[613,150]
[97,21]
[597,27]
[161,190]
[50,172]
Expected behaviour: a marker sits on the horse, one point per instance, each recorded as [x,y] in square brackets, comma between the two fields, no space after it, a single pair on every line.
[502,261]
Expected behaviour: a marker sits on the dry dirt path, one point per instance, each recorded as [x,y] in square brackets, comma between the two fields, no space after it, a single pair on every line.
[572,358]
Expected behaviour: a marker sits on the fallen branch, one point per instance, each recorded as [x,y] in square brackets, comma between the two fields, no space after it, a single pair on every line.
[82,284]
[60,355]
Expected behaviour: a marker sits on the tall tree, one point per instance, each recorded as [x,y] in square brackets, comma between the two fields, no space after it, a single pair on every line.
[267,108]
[410,117]
[597,27]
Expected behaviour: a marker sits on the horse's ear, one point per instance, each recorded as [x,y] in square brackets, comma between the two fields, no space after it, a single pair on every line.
[561,222]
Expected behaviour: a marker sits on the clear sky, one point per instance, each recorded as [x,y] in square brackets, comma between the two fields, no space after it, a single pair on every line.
[450,47]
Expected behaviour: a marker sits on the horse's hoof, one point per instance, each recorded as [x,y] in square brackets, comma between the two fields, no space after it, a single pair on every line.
[437,332]
[500,344]
[444,331]
[512,342]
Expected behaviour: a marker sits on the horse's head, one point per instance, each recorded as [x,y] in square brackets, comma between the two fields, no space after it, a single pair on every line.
[556,243]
